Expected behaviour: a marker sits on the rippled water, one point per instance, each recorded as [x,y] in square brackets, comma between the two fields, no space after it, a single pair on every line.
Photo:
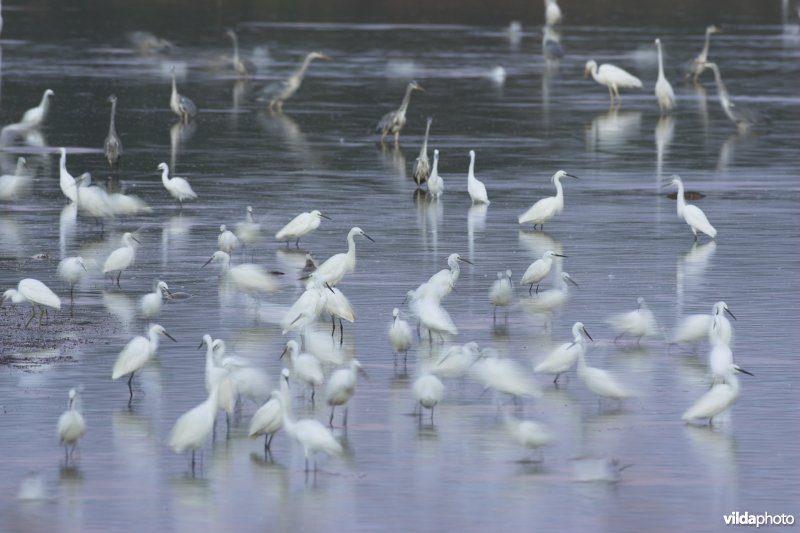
[619,230]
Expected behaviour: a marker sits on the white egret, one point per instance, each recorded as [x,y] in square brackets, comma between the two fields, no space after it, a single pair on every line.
[268,419]
[121,258]
[612,77]
[180,104]
[66,181]
[717,399]
[393,121]
[136,354]
[35,293]
[250,382]
[552,13]
[307,308]
[243,68]
[432,316]
[435,181]
[744,117]
[504,376]
[698,64]
[112,147]
[35,116]
[538,270]
[456,360]
[428,392]
[14,186]
[691,214]
[71,270]
[550,299]
[126,204]
[475,187]
[276,93]
[178,188]
[563,358]
[601,382]
[400,335]
[720,328]
[247,277]
[213,372]
[71,425]
[442,283]
[694,328]
[338,306]
[195,425]
[248,231]
[335,267]
[150,303]
[300,226]
[546,208]
[663,90]
[422,167]
[226,240]
[305,367]
[341,387]
[92,200]
[527,433]
[310,433]
[638,323]
[501,293]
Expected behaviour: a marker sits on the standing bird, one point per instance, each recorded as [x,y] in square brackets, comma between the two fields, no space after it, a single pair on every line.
[720,328]
[550,299]
[67,182]
[247,277]
[393,121]
[309,433]
[601,382]
[338,306]
[504,376]
[150,304]
[181,105]
[335,267]
[305,367]
[501,293]
[527,433]
[638,323]
[178,188]
[123,257]
[136,354]
[694,328]
[35,116]
[546,208]
[248,231]
[428,391]
[612,77]
[195,425]
[698,64]
[422,167]
[268,419]
[71,270]
[538,270]
[744,117]
[226,240]
[400,335]
[276,93]
[71,426]
[442,283]
[112,145]
[717,399]
[566,355]
[475,187]
[664,93]
[242,67]
[435,181]
[341,387]
[35,293]
[691,214]
[552,13]
[300,226]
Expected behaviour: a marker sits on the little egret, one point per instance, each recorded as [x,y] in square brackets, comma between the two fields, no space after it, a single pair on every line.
[276,93]
[504,376]
[35,116]
[527,433]
[546,208]
[455,361]
[428,391]
[178,188]
[744,117]
[612,77]
[93,200]
[341,387]
[638,323]
[243,68]
[268,419]
[475,187]
[136,354]
[179,104]
[213,372]
[66,181]
[310,433]
[501,293]
[422,168]
[664,93]
[550,299]
[442,283]
[226,240]
[393,121]
[35,293]
[300,226]
[195,425]
[691,214]
[601,382]
[717,399]
[432,316]
[720,328]
[71,426]
[694,328]
[566,355]
[400,335]
[248,231]
[14,186]
[538,270]
[435,181]
[552,13]
[307,308]
[305,367]
[112,145]
[123,257]
[71,270]
[698,64]
[338,306]
[247,277]
[335,267]
[150,304]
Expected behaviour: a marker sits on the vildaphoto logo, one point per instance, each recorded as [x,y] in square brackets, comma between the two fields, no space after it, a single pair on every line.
[764,519]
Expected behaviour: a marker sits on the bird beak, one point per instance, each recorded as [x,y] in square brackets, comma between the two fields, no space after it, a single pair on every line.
[330,288]
[572,176]
[170,336]
[587,334]
[573,282]
[283,353]
[465,261]
[326,58]
[729,313]
[135,239]
[368,237]
[84,268]
[560,255]
[202,342]
[325,217]
[743,371]
[419,88]
[207,262]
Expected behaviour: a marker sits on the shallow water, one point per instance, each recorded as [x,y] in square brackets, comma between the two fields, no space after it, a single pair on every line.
[619,230]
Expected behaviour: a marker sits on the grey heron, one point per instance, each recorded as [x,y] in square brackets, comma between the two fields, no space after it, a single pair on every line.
[698,63]
[393,121]
[242,67]
[422,167]
[276,93]
[743,117]
[113,144]
[181,105]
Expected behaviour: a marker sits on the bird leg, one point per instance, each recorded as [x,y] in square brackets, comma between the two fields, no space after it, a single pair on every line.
[31,318]
[313,392]
[344,420]
[432,408]
[555,381]
[119,275]
[333,325]
[130,389]
[330,422]
[296,243]
[341,332]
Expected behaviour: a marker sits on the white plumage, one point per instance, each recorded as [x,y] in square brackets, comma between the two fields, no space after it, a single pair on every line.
[337,266]
[475,187]
[691,214]
[428,391]
[717,399]
[300,226]
[638,323]
[612,77]
[400,335]
[435,181]
[246,277]
[150,303]
[268,419]
[601,382]
[312,436]
[227,241]
[35,116]
[305,367]
[177,187]
[563,357]
[663,90]
[122,258]
[71,425]
[538,270]
[341,387]
[546,208]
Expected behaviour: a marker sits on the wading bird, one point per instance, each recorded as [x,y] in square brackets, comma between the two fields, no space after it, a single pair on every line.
[112,145]
[422,167]
[393,121]
[276,93]
[71,426]
[546,208]
[35,293]
[180,104]
[691,214]
[612,77]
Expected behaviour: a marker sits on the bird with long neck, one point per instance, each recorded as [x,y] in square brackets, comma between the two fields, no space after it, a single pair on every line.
[691,214]
[238,65]
[699,62]
[422,167]
[663,90]
[113,144]
[335,267]
[66,180]
[393,121]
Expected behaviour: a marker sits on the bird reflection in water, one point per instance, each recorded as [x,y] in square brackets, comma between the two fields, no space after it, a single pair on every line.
[610,132]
